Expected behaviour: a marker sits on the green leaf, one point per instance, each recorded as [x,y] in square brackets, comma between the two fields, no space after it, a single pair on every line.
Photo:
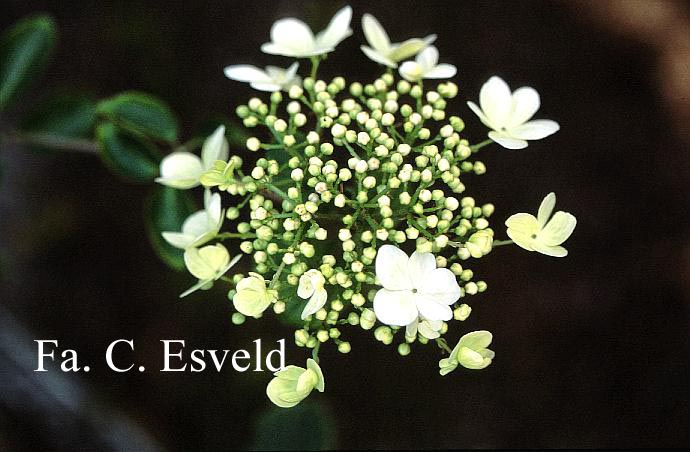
[307,426]
[128,156]
[24,51]
[142,114]
[294,306]
[64,116]
[165,210]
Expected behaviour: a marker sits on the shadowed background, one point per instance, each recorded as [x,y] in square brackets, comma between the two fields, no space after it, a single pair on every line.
[592,350]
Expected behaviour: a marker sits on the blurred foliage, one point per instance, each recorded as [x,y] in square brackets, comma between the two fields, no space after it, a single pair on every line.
[127,155]
[307,426]
[24,51]
[165,210]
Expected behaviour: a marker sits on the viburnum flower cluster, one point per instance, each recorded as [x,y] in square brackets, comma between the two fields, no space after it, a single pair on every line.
[351,207]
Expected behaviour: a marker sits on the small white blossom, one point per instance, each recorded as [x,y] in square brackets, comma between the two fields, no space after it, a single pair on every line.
[199,227]
[380,48]
[293,384]
[182,169]
[430,329]
[470,352]
[271,79]
[541,234]
[208,264]
[293,38]
[412,286]
[311,286]
[509,114]
[426,65]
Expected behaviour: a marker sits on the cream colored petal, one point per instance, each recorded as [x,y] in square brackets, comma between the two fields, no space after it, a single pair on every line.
[476,340]
[411,71]
[507,141]
[470,359]
[558,229]
[496,102]
[395,308]
[553,251]
[290,37]
[215,147]
[521,239]
[290,373]
[441,285]
[282,393]
[407,49]
[196,224]
[198,265]
[534,130]
[375,34]
[392,268]
[432,308]
[545,209]
[480,114]
[378,57]
[321,382]
[200,285]
[316,302]
[338,29]
[419,266]
[441,71]
[427,331]
[523,222]
[525,105]
[178,239]
[246,73]
[180,170]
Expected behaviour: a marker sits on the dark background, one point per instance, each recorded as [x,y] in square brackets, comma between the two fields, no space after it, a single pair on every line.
[592,350]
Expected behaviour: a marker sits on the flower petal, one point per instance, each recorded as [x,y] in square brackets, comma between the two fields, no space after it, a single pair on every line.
[535,130]
[290,37]
[521,239]
[378,57]
[407,49]
[215,147]
[313,365]
[496,102]
[246,73]
[316,302]
[337,30]
[558,229]
[392,268]
[282,392]
[546,208]
[507,141]
[204,284]
[427,330]
[480,114]
[196,224]
[180,170]
[376,35]
[553,251]
[419,266]
[178,239]
[523,222]
[476,340]
[267,87]
[442,285]
[441,71]
[428,58]
[432,308]
[525,104]
[395,308]
[411,71]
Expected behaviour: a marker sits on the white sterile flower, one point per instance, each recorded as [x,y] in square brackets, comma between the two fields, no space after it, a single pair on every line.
[293,384]
[541,234]
[426,65]
[382,50]
[183,169]
[412,286]
[509,114]
[271,79]
[470,352]
[199,227]
[252,297]
[430,329]
[293,38]
[311,286]
[208,264]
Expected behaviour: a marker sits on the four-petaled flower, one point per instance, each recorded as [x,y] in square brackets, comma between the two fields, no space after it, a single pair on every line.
[183,169]
[382,50]
[271,79]
[199,227]
[471,353]
[311,285]
[412,286]
[426,65]
[252,297]
[293,38]
[509,114]
[208,264]
[293,384]
[541,234]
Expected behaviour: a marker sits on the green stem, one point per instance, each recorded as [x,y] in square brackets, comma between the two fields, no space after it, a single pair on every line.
[315,60]
[55,142]
[501,243]
[315,352]
[442,344]
[478,146]
[276,276]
